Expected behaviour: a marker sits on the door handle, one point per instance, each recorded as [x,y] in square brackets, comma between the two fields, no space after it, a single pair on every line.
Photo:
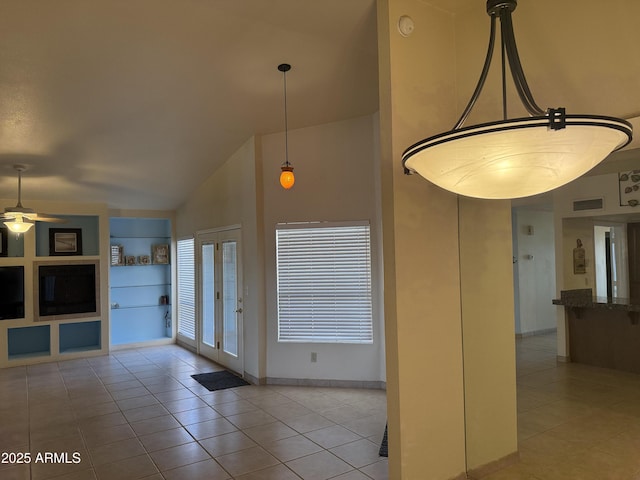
[239,310]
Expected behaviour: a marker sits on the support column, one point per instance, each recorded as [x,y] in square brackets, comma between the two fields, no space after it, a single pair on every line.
[488,333]
[420,235]
[430,301]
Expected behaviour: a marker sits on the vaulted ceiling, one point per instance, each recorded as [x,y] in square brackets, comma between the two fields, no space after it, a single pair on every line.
[133,103]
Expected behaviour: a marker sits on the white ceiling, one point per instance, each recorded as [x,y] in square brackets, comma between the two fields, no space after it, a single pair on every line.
[134,102]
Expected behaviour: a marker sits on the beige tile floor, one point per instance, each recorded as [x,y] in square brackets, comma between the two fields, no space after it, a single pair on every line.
[139,414]
[574,421]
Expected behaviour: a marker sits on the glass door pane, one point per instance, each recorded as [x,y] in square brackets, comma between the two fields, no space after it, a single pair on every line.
[208,295]
[219,274]
[230,307]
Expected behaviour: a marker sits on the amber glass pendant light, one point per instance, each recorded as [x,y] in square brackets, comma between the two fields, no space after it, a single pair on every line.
[287,179]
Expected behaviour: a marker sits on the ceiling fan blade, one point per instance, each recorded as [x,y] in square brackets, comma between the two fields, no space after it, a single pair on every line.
[42,217]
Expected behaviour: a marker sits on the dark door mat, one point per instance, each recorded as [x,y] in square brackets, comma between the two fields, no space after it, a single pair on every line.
[219,380]
[384,447]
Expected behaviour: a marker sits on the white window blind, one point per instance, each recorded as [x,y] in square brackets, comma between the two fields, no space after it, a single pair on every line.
[186,289]
[324,284]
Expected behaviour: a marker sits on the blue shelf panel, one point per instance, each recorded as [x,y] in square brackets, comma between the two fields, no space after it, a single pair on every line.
[29,341]
[80,336]
[135,296]
[138,324]
[139,275]
[89,224]
[139,227]
[15,244]
[139,246]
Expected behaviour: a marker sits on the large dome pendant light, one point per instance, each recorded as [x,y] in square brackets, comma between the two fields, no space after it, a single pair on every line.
[518,157]
[287,178]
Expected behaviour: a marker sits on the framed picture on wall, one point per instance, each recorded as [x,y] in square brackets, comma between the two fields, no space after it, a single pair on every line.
[65,241]
[160,254]
[4,237]
[117,255]
[579,263]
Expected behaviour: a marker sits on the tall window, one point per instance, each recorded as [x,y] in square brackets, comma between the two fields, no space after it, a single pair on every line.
[186,289]
[324,284]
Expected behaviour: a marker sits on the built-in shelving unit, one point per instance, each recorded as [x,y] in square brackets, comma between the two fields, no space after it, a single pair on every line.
[25,342]
[79,337]
[33,339]
[140,281]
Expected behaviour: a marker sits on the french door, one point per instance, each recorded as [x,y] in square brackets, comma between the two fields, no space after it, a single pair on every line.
[220,297]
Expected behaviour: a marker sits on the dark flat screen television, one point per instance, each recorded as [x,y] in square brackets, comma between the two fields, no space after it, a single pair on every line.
[68,290]
[11,292]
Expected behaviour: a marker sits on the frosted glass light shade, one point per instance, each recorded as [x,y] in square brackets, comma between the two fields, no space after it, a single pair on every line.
[17,225]
[516,158]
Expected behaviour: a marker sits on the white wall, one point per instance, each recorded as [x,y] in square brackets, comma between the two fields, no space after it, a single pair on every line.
[335,181]
[585,188]
[336,169]
[535,276]
[581,224]
[230,197]
[572,230]
[222,199]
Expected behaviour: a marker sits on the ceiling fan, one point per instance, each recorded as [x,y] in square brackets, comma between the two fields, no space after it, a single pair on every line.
[19,219]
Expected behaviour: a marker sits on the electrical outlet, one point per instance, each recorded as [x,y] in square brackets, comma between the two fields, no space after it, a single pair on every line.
[314,357]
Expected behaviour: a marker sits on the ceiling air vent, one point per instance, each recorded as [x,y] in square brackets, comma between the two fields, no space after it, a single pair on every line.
[591,204]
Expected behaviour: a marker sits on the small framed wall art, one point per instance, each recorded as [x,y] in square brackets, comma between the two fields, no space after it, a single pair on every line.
[160,254]
[65,241]
[117,255]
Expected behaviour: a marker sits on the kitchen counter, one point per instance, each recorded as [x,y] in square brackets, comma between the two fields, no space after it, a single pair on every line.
[583,298]
[603,332]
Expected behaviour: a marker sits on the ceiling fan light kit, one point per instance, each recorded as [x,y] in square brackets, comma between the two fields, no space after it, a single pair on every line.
[18,225]
[20,219]
[520,157]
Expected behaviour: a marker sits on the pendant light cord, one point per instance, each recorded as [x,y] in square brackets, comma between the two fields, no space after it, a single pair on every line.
[286,123]
[504,79]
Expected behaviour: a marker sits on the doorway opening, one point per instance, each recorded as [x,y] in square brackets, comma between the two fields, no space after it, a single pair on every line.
[220,321]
